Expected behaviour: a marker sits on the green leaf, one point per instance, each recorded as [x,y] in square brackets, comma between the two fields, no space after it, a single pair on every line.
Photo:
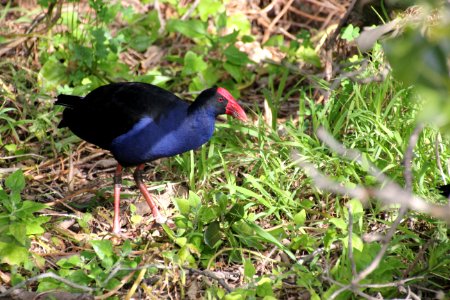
[264,288]
[229,38]
[18,231]
[250,194]
[222,20]
[52,74]
[357,210]
[357,243]
[234,70]
[249,269]
[13,254]
[240,22]
[70,262]
[308,55]
[194,200]
[183,205]
[270,238]
[235,56]
[300,218]
[126,248]
[79,277]
[33,225]
[112,284]
[103,248]
[339,223]
[3,196]
[15,181]
[181,241]
[188,28]
[14,200]
[84,221]
[28,208]
[207,214]
[193,64]
[350,33]
[83,55]
[212,234]
[235,213]
[207,8]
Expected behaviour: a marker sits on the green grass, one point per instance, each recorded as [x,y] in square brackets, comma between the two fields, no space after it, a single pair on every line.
[250,207]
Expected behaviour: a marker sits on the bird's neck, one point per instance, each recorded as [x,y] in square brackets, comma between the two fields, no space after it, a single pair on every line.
[201,121]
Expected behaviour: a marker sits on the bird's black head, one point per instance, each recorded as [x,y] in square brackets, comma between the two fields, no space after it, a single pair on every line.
[221,101]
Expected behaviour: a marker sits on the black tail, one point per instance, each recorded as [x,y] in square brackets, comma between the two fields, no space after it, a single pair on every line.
[68,100]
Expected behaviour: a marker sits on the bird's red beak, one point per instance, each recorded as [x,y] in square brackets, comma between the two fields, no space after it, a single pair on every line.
[235,110]
[232,108]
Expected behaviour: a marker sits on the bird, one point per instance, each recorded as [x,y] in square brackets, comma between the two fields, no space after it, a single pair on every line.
[140,122]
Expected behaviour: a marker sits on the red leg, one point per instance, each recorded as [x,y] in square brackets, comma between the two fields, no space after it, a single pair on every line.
[155,212]
[117,187]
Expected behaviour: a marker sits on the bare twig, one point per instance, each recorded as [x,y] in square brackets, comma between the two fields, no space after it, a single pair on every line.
[408,157]
[206,273]
[162,22]
[389,192]
[351,155]
[307,258]
[212,276]
[392,284]
[276,19]
[190,10]
[23,155]
[47,275]
[350,235]
[376,261]
[330,42]
[437,145]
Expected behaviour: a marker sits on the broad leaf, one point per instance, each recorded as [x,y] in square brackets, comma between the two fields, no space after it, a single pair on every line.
[207,214]
[103,248]
[19,232]
[15,181]
[193,64]
[189,28]
[235,213]
[212,234]
[13,254]
[235,56]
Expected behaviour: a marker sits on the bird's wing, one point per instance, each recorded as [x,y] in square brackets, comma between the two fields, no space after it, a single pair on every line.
[112,110]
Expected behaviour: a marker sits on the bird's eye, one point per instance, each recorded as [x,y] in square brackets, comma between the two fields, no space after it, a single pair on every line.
[221,99]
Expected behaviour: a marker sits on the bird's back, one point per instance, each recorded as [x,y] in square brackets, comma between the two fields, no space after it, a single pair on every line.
[112,110]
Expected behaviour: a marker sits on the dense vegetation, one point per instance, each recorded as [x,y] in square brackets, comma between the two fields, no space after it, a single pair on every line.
[254,213]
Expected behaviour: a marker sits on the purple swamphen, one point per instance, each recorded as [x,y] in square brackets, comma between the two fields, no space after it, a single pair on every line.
[140,122]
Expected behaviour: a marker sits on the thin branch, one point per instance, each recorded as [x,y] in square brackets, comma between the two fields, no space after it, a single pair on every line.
[438,157]
[162,22]
[23,155]
[48,275]
[408,157]
[351,154]
[333,37]
[388,193]
[391,284]
[350,235]
[212,276]
[276,19]
[190,10]
[307,258]
[376,261]
[206,273]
